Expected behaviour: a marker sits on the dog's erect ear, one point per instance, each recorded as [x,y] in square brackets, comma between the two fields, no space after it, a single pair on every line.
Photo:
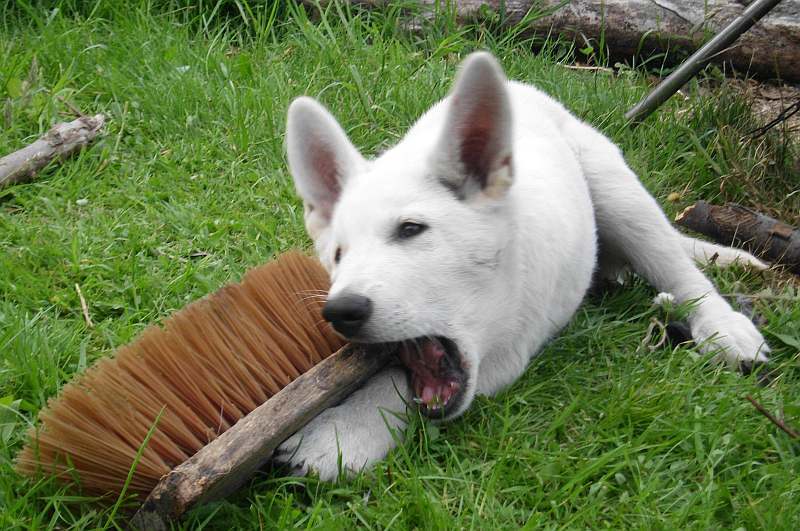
[474,151]
[321,158]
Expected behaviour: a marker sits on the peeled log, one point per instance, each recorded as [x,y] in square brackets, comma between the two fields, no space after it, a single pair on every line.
[738,226]
[770,49]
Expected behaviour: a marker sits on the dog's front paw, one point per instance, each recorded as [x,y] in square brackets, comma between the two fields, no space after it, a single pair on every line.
[316,447]
[732,336]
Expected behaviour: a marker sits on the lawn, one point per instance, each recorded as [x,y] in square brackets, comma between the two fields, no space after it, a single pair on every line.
[189,188]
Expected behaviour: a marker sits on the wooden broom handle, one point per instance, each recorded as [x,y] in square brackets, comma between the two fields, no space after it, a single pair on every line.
[229,460]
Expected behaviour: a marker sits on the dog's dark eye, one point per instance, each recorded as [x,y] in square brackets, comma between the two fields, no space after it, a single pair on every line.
[338,255]
[409,229]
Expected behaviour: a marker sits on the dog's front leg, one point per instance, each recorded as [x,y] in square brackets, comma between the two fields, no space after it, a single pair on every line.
[633,227]
[362,429]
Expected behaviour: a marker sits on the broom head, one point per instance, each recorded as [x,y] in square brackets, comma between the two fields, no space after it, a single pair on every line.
[184,382]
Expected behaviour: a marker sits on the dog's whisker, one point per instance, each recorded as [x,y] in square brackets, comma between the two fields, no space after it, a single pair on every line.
[316,291]
[313,298]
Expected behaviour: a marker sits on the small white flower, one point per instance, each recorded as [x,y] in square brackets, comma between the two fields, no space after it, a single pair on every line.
[183,69]
[664,299]
[82,202]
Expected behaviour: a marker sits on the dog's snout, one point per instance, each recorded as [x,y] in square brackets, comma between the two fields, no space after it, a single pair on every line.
[347,313]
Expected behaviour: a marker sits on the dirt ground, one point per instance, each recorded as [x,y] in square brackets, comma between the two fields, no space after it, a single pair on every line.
[769,100]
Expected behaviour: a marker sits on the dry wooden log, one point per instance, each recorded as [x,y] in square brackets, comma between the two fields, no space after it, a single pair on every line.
[63,140]
[738,226]
[642,27]
[228,461]
[769,49]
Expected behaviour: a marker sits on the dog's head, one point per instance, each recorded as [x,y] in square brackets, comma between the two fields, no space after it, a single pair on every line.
[416,239]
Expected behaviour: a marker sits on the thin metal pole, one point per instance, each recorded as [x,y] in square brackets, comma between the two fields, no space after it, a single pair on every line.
[699,59]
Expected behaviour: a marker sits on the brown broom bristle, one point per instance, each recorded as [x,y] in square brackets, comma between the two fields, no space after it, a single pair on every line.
[209,365]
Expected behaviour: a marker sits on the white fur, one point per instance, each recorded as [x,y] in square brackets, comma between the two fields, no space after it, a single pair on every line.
[705,252]
[518,195]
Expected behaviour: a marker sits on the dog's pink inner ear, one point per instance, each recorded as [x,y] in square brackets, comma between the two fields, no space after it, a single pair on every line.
[480,140]
[327,172]
[474,152]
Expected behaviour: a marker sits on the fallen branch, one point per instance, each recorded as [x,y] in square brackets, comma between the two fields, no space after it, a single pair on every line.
[84,307]
[62,141]
[75,110]
[590,68]
[230,459]
[778,422]
[738,226]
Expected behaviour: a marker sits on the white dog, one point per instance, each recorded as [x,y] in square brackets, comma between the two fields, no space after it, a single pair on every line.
[470,244]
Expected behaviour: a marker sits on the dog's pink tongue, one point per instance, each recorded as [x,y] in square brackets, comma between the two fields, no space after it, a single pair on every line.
[432,353]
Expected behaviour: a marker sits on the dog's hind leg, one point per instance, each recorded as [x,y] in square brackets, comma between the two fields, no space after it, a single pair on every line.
[613,270]
[632,227]
[706,252]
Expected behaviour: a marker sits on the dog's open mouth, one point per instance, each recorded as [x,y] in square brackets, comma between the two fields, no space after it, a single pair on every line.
[437,373]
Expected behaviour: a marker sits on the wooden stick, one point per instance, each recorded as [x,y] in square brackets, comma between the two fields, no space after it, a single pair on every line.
[778,422]
[590,68]
[76,111]
[84,307]
[63,140]
[738,226]
[228,461]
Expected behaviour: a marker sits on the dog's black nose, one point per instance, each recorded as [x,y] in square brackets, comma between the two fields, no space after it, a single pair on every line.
[347,313]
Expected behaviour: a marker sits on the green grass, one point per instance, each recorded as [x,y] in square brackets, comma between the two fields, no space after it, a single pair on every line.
[189,189]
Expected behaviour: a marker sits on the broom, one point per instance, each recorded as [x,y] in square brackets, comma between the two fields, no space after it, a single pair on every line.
[253,358]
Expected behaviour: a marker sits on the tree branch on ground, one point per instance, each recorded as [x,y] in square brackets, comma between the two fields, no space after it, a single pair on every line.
[62,141]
